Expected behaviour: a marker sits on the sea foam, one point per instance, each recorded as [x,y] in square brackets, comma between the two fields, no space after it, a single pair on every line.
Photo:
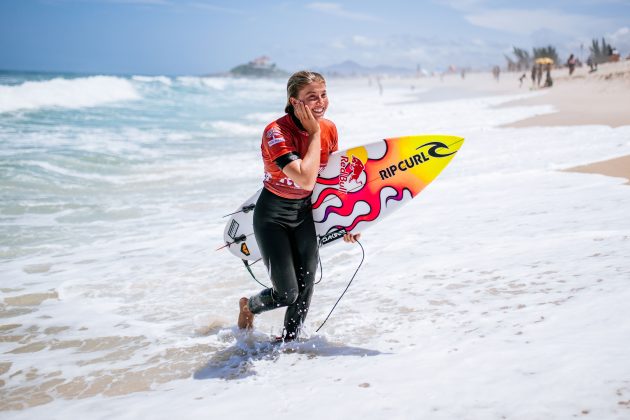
[66,93]
[153,79]
[231,128]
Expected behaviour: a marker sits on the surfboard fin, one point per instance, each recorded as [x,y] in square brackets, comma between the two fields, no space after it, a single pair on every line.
[236,240]
[244,209]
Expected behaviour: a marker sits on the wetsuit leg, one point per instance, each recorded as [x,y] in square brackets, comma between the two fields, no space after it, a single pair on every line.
[305,257]
[275,247]
[286,237]
[273,235]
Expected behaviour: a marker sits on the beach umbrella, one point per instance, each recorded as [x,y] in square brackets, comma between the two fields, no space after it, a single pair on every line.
[544,60]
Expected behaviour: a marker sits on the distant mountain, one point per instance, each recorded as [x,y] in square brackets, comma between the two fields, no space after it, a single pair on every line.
[258,67]
[352,68]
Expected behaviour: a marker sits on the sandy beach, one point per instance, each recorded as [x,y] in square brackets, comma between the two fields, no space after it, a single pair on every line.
[618,167]
[586,98]
[598,98]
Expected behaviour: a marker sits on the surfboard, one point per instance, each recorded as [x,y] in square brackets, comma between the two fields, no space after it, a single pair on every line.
[358,187]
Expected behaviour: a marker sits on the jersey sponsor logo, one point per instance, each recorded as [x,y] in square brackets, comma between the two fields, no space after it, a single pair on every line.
[350,172]
[274,136]
[275,141]
[417,159]
[288,182]
[332,236]
[273,132]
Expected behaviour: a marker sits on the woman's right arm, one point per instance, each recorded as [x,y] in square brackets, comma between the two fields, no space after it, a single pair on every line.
[304,171]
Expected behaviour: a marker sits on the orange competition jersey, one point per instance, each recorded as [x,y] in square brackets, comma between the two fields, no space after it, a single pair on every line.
[282,137]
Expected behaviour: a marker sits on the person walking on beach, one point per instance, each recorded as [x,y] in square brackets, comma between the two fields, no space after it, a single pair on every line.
[294,148]
[591,63]
[571,64]
[539,71]
[548,79]
[533,76]
[496,71]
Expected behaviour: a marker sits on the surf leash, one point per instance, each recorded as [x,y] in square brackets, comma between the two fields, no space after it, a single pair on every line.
[321,267]
[347,287]
[321,273]
[249,269]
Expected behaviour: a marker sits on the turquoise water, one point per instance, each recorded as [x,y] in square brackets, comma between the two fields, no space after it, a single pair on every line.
[82,156]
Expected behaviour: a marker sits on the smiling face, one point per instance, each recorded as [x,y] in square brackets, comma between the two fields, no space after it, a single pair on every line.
[314,97]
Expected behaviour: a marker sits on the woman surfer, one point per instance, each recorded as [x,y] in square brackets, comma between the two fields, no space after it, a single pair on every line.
[294,148]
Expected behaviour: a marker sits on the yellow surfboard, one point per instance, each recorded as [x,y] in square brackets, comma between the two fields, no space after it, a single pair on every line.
[357,188]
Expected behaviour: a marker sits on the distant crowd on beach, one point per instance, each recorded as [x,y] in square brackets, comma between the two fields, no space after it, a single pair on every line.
[612,55]
[536,65]
[544,59]
[538,68]
[537,74]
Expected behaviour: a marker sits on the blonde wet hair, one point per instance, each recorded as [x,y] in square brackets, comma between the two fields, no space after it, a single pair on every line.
[297,81]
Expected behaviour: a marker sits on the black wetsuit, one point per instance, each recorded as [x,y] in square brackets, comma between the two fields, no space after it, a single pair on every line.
[286,237]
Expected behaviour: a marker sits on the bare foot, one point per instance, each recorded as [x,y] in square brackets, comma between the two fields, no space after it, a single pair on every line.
[245,316]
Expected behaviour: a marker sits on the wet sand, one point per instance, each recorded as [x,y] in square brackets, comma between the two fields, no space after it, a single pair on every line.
[585,98]
[618,167]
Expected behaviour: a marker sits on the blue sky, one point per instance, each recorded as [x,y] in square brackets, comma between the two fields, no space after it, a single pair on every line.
[204,36]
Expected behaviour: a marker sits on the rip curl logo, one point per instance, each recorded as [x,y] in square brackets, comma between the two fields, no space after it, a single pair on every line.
[350,172]
[434,151]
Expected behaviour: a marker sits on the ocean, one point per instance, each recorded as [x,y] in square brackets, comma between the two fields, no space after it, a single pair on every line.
[500,291]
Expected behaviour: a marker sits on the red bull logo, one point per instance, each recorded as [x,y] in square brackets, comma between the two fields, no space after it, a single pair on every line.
[350,171]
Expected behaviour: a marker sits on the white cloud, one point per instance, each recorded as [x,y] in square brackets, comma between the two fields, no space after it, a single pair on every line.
[336,9]
[337,44]
[526,22]
[416,54]
[462,5]
[523,28]
[408,51]
[620,39]
[364,41]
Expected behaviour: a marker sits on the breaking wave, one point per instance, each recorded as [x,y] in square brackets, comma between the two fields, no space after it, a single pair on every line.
[66,93]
